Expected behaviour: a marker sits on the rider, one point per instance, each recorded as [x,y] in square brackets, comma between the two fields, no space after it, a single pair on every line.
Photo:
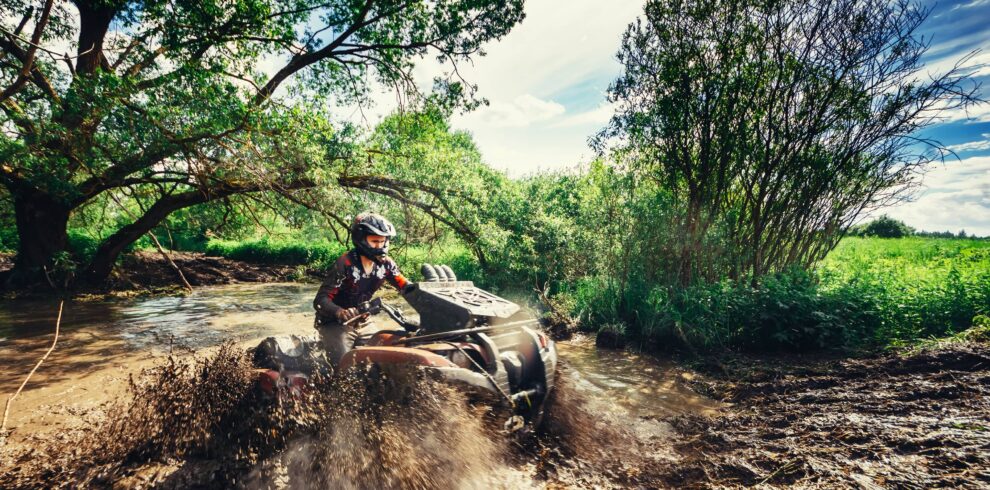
[354,279]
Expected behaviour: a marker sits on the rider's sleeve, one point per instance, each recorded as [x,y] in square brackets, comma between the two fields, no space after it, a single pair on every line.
[394,275]
[328,290]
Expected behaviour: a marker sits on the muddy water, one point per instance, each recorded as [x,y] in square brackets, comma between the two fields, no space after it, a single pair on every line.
[102,330]
[205,317]
[103,342]
[640,384]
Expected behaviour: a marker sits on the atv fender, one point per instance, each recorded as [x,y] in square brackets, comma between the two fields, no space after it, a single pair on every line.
[393,355]
[466,380]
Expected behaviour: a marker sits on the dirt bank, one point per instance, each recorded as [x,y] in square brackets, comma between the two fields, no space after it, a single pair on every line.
[149,272]
[918,420]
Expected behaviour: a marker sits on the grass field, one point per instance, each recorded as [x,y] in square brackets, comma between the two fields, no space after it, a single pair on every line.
[918,287]
[868,293]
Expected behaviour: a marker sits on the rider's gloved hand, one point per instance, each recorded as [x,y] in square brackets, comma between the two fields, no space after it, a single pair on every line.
[408,288]
[345,314]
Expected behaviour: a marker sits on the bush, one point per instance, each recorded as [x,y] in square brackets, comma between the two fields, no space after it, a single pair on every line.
[785,312]
[868,293]
[883,227]
[8,239]
[82,244]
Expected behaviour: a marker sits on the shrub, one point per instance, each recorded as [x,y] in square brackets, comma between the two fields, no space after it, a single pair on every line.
[869,292]
[884,227]
[82,244]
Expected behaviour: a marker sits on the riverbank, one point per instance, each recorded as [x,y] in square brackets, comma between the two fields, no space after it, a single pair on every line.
[147,272]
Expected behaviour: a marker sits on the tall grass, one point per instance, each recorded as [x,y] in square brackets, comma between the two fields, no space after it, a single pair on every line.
[918,287]
[869,292]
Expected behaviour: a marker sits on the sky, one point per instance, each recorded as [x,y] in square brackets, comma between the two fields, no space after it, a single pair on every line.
[546,82]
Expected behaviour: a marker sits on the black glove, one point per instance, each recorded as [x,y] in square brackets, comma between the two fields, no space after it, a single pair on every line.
[409,288]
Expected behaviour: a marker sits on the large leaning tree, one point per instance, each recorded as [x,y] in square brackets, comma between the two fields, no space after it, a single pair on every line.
[777,123]
[185,102]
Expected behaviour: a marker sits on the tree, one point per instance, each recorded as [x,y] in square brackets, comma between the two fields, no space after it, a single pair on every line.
[418,161]
[886,227]
[163,102]
[776,124]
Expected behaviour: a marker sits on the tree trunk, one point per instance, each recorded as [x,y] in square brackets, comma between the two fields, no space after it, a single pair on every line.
[106,256]
[690,239]
[101,265]
[94,21]
[42,228]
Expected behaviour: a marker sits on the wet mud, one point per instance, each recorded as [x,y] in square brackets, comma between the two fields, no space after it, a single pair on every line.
[916,420]
[203,424]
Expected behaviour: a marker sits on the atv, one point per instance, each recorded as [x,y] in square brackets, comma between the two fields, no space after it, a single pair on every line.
[466,336]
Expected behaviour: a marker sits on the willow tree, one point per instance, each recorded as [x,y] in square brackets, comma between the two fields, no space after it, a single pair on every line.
[777,123]
[168,99]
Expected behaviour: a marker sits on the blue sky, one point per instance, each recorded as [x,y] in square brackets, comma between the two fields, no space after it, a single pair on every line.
[547,79]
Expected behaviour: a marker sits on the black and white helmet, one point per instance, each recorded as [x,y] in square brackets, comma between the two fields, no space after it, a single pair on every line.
[371,224]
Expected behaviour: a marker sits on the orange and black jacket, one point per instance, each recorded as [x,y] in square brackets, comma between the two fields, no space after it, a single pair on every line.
[347,286]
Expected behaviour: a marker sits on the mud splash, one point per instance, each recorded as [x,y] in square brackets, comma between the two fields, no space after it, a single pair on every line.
[201,423]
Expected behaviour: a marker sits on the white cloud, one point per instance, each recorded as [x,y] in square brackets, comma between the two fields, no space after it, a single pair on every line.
[974,3]
[522,111]
[595,118]
[956,196]
[978,145]
[973,114]
[557,56]
[561,57]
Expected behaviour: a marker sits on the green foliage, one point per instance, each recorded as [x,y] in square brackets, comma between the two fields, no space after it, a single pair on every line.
[770,145]
[183,115]
[868,292]
[82,244]
[919,287]
[321,256]
[277,251]
[8,239]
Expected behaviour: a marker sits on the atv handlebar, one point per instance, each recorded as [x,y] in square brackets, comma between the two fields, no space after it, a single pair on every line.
[376,306]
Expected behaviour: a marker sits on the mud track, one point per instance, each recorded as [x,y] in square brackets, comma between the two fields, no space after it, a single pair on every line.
[920,420]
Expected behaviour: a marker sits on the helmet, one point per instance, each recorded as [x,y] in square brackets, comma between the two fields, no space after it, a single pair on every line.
[370,224]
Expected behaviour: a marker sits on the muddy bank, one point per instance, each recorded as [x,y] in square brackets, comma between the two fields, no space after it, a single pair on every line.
[149,273]
[919,420]
[149,270]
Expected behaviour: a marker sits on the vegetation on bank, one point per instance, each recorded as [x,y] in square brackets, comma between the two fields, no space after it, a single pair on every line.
[868,292]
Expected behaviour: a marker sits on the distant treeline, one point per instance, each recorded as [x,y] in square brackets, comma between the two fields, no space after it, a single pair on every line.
[887,227]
